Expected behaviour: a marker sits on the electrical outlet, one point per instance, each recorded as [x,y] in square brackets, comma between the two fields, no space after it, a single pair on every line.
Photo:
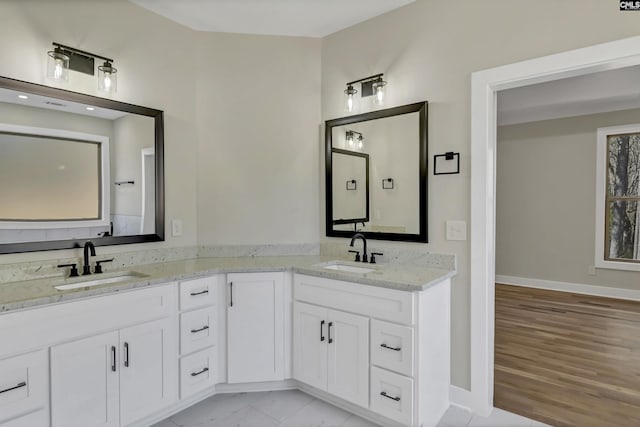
[456,230]
[176,227]
[591,270]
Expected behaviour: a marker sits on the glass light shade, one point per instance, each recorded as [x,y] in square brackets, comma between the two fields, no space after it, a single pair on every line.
[350,99]
[349,139]
[360,141]
[379,91]
[107,78]
[58,65]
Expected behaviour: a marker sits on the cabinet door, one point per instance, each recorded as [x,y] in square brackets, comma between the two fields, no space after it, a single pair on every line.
[255,327]
[310,344]
[84,382]
[148,368]
[348,358]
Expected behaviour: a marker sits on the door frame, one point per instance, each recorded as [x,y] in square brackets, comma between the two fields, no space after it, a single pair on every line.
[484,86]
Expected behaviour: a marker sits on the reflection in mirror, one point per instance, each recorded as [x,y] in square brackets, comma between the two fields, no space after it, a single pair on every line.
[81,168]
[394,141]
[350,188]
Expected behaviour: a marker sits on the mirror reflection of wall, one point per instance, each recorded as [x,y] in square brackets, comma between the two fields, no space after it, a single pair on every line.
[392,144]
[350,187]
[128,135]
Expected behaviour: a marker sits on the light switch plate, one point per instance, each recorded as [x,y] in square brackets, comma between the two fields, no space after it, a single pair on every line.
[176,227]
[456,230]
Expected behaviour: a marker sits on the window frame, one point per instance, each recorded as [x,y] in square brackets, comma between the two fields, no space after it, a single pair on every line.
[602,199]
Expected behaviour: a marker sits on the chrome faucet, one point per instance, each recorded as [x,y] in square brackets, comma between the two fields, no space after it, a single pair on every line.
[365,257]
[86,267]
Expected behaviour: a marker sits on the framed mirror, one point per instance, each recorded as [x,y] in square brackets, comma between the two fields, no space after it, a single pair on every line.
[394,142]
[75,167]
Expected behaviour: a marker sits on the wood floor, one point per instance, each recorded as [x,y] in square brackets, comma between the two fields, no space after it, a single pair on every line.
[567,359]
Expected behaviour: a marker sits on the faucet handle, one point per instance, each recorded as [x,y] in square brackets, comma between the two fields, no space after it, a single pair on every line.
[357,255]
[74,269]
[98,268]
[373,257]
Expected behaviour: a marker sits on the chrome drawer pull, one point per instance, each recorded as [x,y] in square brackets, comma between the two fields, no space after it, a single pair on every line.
[193,294]
[195,374]
[22,384]
[397,398]
[204,328]
[383,345]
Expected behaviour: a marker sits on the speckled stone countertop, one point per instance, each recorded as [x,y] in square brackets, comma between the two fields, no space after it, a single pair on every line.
[32,293]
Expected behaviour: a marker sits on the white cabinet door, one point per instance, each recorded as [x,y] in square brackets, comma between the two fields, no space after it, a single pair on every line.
[348,358]
[148,368]
[310,344]
[84,382]
[255,327]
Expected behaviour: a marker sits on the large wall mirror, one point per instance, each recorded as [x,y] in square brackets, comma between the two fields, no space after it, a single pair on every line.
[388,200]
[74,167]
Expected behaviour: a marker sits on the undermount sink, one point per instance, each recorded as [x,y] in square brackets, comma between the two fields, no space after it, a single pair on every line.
[340,266]
[80,283]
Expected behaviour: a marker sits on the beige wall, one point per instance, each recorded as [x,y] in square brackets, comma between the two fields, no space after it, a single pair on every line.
[258,110]
[545,200]
[428,50]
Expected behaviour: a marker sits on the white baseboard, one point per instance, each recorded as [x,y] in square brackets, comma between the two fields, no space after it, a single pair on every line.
[460,397]
[578,288]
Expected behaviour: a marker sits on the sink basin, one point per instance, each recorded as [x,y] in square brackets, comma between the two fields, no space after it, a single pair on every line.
[80,283]
[349,268]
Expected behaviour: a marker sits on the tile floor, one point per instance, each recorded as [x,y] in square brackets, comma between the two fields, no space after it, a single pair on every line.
[293,408]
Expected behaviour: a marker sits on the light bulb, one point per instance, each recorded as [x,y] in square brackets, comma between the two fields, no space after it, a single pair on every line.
[360,143]
[380,94]
[57,72]
[349,100]
[350,103]
[107,82]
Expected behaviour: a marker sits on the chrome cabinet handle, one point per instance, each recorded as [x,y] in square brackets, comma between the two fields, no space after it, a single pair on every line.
[204,328]
[195,374]
[329,332]
[113,358]
[396,398]
[383,345]
[126,354]
[19,385]
[194,294]
[321,326]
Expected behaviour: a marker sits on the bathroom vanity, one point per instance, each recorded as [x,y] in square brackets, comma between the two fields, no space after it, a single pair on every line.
[133,352]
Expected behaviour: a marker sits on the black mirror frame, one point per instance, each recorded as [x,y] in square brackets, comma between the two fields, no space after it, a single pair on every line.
[157,115]
[421,108]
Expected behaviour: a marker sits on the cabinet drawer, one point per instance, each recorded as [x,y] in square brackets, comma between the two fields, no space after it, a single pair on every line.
[34,419]
[23,384]
[197,329]
[371,301]
[392,347]
[392,395]
[197,292]
[197,372]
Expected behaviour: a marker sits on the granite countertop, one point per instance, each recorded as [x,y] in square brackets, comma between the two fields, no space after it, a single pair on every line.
[404,277]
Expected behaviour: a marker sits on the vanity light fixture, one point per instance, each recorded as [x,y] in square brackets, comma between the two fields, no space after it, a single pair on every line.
[64,58]
[353,141]
[369,86]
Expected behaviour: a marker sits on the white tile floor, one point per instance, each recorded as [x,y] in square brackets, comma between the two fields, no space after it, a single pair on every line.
[293,408]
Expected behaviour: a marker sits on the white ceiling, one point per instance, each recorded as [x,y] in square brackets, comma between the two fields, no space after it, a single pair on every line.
[306,18]
[603,92]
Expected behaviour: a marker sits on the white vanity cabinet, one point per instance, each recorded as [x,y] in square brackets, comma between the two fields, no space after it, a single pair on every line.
[24,389]
[198,335]
[383,349]
[331,351]
[255,327]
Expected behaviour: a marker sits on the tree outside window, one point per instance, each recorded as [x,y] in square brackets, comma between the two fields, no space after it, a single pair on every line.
[622,200]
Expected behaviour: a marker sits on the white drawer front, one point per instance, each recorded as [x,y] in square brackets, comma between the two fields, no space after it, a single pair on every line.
[392,395]
[23,384]
[392,347]
[34,419]
[197,372]
[198,292]
[372,301]
[197,329]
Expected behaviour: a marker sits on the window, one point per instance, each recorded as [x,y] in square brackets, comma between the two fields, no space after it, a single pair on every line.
[618,198]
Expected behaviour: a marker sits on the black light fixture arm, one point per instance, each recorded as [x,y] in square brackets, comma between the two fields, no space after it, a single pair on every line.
[81,52]
[366,79]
